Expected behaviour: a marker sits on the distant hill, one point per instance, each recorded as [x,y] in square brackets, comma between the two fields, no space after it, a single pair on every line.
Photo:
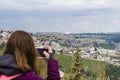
[115,39]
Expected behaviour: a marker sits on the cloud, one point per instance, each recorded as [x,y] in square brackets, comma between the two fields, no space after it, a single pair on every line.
[56,4]
[116,22]
[78,4]
[60,15]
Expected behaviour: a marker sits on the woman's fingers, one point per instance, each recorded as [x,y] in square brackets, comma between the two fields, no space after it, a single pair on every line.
[46,55]
[49,49]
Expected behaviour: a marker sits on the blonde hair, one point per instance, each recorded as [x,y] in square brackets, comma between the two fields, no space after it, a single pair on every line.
[21,45]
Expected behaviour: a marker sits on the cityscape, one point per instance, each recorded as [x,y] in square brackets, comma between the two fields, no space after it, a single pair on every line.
[94,46]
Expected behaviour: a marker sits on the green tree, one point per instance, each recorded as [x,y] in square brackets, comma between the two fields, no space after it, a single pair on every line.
[76,62]
[77,65]
[113,71]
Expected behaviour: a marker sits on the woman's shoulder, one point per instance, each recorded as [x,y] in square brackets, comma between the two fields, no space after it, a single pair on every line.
[28,76]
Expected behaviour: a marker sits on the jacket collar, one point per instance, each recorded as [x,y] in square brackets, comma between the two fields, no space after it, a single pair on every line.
[8,65]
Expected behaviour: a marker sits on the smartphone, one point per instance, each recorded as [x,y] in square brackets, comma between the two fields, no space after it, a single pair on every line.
[41,50]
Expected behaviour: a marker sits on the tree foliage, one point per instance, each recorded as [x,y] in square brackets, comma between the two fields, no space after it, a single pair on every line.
[113,72]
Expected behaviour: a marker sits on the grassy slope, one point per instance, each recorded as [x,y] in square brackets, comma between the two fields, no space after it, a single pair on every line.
[95,67]
[65,62]
[1,51]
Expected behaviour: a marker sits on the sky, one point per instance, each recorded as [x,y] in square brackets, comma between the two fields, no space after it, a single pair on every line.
[76,16]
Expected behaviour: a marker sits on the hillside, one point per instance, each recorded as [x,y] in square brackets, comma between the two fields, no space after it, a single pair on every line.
[91,66]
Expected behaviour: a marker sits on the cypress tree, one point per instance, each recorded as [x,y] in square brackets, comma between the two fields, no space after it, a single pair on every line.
[77,66]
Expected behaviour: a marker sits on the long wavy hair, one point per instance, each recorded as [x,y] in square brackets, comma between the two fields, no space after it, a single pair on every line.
[21,45]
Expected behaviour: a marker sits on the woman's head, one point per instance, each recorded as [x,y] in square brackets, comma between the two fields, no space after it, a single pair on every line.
[21,45]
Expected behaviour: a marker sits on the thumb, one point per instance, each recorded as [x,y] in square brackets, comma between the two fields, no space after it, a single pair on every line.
[46,55]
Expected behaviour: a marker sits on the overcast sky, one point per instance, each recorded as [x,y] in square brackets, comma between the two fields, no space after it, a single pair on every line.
[60,15]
